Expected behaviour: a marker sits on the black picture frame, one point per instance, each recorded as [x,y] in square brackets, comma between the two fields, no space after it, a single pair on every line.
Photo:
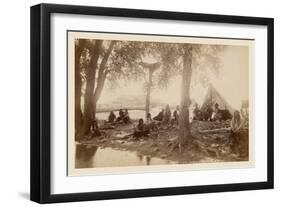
[41,98]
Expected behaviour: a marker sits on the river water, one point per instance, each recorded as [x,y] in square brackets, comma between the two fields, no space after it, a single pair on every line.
[90,156]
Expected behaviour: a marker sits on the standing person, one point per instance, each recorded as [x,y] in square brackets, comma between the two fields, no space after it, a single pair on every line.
[216,113]
[235,129]
[167,115]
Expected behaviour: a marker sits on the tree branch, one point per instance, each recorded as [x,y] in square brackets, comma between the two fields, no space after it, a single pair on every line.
[100,85]
[102,73]
[106,56]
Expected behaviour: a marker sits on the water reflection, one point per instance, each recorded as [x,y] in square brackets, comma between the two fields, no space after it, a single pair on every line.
[84,155]
[90,156]
[148,160]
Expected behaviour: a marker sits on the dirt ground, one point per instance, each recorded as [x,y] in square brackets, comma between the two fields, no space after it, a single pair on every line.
[210,142]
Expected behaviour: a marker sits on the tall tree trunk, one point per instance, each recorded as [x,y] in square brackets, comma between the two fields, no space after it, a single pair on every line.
[97,94]
[151,67]
[79,46]
[184,132]
[147,101]
[90,80]
[94,109]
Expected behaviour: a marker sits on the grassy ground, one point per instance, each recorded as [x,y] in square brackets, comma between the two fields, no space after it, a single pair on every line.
[209,142]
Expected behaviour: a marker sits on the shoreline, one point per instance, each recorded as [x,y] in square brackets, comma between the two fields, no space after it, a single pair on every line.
[206,148]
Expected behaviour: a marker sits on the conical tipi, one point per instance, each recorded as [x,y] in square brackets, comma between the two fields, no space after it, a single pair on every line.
[212,97]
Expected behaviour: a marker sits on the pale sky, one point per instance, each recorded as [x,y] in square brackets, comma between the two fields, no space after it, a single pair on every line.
[232,82]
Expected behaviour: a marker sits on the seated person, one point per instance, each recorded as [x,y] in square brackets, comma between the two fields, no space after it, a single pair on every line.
[121,115]
[141,129]
[167,115]
[207,114]
[150,123]
[95,128]
[226,115]
[126,117]
[196,113]
[111,117]
[160,116]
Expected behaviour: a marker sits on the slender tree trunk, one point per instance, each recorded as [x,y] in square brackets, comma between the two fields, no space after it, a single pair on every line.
[79,46]
[184,132]
[101,78]
[97,94]
[147,102]
[151,69]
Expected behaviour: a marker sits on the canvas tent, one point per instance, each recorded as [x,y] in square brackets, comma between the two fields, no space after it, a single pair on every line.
[212,97]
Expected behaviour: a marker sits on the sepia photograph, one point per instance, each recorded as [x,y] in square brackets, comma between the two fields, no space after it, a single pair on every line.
[133,103]
[151,102]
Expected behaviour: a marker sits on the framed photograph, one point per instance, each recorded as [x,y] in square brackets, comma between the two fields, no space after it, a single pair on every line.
[133,103]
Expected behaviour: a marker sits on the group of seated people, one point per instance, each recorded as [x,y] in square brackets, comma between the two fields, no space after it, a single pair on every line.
[123,117]
[143,128]
[212,113]
[164,117]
